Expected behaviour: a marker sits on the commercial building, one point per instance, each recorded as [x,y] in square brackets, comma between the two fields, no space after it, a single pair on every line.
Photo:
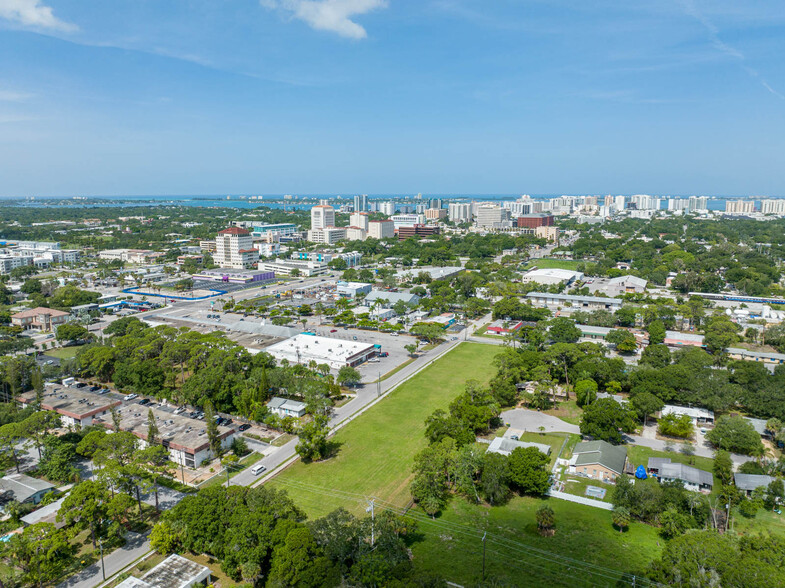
[287,267]
[417,231]
[434,272]
[435,213]
[322,216]
[327,235]
[262,229]
[501,327]
[9,262]
[359,219]
[352,258]
[356,234]
[677,339]
[336,353]
[352,289]
[284,407]
[760,356]
[407,220]
[625,285]
[234,248]
[235,276]
[45,319]
[535,220]
[492,216]
[381,229]
[175,571]
[551,276]
[572,301]
[548,233]
[184,437]
[598,460]
[75,407]
[388,299]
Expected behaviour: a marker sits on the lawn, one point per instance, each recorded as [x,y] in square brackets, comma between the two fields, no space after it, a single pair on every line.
[568,411]
[555,440]
[376,451]
[585,551]
[765,521]
[63,352]
[554,263]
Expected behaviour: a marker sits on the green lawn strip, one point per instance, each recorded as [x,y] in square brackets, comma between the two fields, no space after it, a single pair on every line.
[555,440]
[765,521]
[63,352]
[282,440]
[376,451]
[518,556]
[567,264]
[568,411]
[577,485]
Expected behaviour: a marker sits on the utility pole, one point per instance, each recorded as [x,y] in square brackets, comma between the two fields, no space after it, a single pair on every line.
[483,555]
[370,509]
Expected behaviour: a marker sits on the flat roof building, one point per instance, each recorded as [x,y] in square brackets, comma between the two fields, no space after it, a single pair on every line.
[184,437]
[577,302]
[336,353]
[75,407]
[175,571]
[235,276]
[699,416]
[352,289]
[551,276]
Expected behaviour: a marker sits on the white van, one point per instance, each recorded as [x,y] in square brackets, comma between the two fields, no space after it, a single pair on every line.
[258,469]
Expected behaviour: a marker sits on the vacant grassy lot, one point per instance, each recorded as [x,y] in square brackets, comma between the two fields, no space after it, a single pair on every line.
[567,264]
[63,352]
[585,551]
[377,450]
[555,440]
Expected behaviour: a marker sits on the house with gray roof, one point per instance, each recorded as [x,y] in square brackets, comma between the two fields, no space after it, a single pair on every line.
[285,407]
[748,483]
[506,446]
[692,478]
[598,460]
[24,488]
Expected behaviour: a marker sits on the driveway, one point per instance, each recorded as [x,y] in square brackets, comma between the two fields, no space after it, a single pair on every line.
[531,420]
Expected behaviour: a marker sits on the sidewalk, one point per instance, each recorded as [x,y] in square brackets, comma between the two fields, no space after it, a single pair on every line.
[136,546]
[580,499]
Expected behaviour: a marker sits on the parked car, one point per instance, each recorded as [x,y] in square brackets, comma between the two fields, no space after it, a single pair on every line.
[384,354]
[104,391]
[333,330]
[179,410]
[193,414]
[228,422]
[129,397]
[144,401]
[80,385]
[94,388]
[514,437]
[258,469]
[244,427]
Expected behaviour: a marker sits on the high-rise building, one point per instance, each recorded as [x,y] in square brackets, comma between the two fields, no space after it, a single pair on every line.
[359,219]
[407,220]
[381,229]
[387,208]
[459,212]
[322,215]
[435,203]
[435,213]
[361,203]
[739,206]
[327,235]
[535,220]
[773,206]
[492,216]
[234,248]
[619,202]
[675,204]
[698,204]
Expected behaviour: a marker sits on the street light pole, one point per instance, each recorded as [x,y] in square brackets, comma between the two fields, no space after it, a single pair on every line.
[103,569]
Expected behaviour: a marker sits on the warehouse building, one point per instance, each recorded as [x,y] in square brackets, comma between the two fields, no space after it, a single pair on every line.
[336,353]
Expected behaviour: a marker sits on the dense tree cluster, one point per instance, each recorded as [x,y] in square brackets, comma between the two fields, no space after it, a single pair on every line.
[261,537]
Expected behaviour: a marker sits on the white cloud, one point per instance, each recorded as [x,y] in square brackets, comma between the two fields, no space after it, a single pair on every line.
[334,16]
[31,13]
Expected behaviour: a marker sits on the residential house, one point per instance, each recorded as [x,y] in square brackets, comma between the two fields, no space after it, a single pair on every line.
[24,489]
[598,460]
[692,478]
[506,446]
[748,483]
[285,407]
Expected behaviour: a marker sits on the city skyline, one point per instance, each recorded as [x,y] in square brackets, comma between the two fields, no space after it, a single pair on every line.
[375,96]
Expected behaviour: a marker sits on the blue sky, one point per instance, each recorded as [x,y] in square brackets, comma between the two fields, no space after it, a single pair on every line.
[391,96]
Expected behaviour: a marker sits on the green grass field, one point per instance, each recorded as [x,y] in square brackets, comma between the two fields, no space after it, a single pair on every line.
[377,450]
[567,264]
[63,352]
[585,551]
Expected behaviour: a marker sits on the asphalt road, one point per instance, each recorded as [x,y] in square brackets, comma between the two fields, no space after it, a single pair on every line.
[136,546]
